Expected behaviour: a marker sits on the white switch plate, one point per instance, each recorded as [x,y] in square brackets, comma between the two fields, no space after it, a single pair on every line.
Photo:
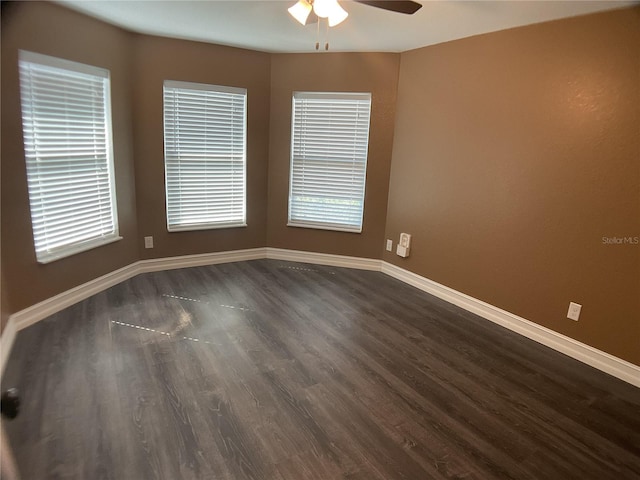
[574,311]
[148,242]
[389,245]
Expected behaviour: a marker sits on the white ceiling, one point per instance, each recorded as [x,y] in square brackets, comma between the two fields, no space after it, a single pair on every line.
[267,26]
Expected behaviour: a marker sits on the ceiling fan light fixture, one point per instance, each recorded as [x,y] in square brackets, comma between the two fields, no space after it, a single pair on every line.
[300,11]
[338,16]
[325,8]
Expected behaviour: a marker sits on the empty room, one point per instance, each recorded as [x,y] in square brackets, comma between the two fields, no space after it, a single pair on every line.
[320,240]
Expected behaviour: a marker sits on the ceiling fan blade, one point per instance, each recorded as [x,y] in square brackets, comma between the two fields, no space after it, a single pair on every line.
[400,6]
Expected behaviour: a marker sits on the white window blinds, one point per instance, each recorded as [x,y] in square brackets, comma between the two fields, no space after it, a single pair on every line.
[204,148]
[66,122]
[329,142]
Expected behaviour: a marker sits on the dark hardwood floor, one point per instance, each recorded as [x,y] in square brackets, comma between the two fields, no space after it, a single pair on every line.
[285,371]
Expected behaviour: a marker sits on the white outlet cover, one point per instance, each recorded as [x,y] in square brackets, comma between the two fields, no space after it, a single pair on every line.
[389,245]
[148,242]
[574,311]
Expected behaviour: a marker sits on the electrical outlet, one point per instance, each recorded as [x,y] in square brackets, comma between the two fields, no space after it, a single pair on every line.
[574,311]
[148,242]
[389,245]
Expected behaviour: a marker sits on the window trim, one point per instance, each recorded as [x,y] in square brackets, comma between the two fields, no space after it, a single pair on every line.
[218,89]
[69,250]
[327,225]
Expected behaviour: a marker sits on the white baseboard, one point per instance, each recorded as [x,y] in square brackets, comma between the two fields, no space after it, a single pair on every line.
[591,356]
[41,310]
[358,263]
[48,307]
[185,261]
[6,342]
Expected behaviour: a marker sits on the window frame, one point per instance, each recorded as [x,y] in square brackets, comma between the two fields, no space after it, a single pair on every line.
[318,225]
[175,84]
[45,62]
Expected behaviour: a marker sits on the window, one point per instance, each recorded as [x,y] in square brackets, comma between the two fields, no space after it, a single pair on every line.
[329,140]
[66,121]
[204,154]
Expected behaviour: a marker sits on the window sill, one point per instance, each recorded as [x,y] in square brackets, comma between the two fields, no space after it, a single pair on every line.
[334,228]
[189,228]
[79,248]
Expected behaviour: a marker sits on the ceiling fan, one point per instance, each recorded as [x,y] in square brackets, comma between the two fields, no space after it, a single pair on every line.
[308,11]
[311,11]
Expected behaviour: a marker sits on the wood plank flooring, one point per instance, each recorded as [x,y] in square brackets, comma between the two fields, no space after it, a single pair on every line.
[285,371]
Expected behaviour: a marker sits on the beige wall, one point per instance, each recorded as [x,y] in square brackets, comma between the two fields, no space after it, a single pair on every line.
[334,72]
[52,30]
[514,154]
[157,59]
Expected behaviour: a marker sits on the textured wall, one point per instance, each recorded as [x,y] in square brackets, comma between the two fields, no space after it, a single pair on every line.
[52,30]
[514,154]
[334,72]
